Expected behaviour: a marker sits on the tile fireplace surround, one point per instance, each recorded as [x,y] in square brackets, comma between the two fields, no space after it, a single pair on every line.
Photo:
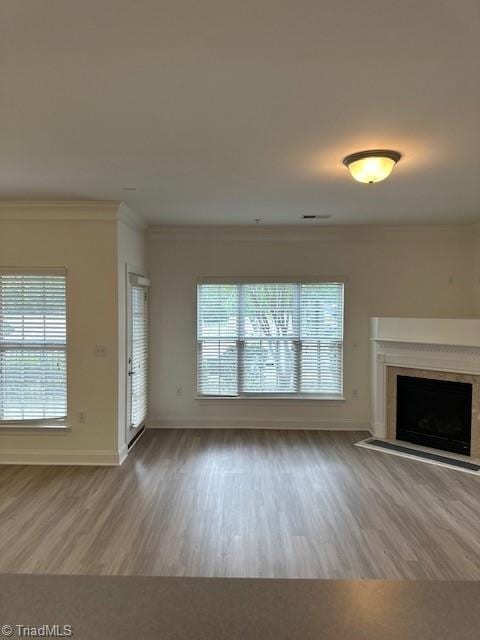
[427,348]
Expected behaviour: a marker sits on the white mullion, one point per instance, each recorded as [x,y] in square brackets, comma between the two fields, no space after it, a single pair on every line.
[240,340]
[298,340]
[2,390]
[199,366]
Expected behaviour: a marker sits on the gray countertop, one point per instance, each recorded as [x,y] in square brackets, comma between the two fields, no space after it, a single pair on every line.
[203,608]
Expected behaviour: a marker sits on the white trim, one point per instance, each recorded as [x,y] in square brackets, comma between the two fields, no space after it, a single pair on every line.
[300,279]
[56,210]
[138,436]
[444,332]
[273,398]
[61,210]
[364,444]
[34,426]
[34,271]
[410,355]
[308,232]
[138,281]
[122,454]
[334,424]
[52,457]
[130,218]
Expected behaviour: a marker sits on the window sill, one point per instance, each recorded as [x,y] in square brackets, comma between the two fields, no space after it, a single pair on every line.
[31,427]
[270,398]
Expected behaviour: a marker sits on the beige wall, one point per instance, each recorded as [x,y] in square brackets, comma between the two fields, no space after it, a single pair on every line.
[476,269]
[131,253]
[87,248]
[396,272]
[420,272]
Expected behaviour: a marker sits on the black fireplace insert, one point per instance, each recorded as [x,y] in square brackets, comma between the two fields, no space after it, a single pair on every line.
[435,413]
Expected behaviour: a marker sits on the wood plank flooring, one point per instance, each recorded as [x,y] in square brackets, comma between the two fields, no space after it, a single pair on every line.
[226,503]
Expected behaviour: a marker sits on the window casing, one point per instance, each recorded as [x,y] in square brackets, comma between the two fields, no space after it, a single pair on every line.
[33,347]
[281,339]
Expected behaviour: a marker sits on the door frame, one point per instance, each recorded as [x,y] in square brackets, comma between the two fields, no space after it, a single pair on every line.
[130,270]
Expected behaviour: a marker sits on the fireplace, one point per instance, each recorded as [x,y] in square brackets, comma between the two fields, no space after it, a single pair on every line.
[438,350]
[434,413]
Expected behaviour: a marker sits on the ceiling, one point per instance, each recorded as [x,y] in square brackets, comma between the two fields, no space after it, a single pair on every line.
[221,112]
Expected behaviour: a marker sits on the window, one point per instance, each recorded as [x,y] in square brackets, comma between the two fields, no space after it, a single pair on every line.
[33,357]
[277,338]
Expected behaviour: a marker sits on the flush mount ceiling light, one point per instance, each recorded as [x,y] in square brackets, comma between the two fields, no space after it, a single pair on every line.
[371,166]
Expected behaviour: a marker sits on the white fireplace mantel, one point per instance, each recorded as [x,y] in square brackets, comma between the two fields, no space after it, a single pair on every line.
[419,343]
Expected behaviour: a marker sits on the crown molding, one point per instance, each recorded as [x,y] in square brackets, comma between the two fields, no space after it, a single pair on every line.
[59,210]
[131,218]
[299,233]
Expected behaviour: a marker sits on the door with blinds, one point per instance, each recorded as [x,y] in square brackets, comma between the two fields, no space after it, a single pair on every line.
[137,354]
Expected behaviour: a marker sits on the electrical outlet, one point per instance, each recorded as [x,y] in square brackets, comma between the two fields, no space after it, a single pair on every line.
[100,351]
[180,391]
[82,417]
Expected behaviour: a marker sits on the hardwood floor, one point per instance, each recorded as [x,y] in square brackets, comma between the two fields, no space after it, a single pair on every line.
[241,503]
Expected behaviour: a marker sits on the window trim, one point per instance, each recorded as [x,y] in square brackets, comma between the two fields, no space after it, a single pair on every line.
[284,398]
[30,427]
[47,425]
[268,397]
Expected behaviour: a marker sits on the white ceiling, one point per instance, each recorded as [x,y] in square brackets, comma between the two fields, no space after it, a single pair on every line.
[220,112]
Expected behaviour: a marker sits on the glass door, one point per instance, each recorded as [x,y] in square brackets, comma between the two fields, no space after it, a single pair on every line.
[137,383]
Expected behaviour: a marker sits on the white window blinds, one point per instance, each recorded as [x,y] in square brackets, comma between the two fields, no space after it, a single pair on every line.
[139,356]
[33,358]
[270,338]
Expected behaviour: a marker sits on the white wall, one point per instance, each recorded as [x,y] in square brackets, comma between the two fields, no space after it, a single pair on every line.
[131,253]
[82,239]
[418,272]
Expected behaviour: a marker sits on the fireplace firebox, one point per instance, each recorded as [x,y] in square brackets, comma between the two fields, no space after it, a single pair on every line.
[434,413]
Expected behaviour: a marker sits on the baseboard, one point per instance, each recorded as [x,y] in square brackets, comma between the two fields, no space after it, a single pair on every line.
[122,454]
[378,429]
[84,458]
[334,424]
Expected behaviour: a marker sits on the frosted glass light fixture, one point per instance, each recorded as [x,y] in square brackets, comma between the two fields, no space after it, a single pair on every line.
[371,166]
